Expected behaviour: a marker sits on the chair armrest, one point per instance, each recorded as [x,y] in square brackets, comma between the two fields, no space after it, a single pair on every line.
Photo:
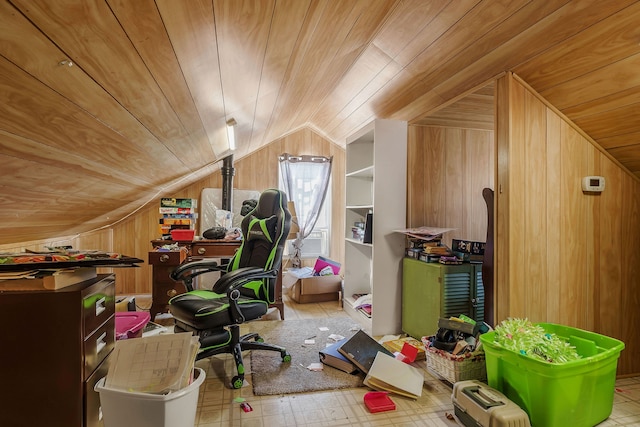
[233,280]
[186,272]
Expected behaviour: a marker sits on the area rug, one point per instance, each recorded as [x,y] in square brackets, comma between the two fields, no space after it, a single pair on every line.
[270,376]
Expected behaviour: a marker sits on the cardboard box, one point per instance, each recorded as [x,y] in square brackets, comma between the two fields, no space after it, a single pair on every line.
[316,289]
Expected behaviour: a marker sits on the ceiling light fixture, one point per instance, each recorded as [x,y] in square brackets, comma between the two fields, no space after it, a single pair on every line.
[231,134]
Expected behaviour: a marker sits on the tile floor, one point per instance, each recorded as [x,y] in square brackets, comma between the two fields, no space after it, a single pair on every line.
[217,406]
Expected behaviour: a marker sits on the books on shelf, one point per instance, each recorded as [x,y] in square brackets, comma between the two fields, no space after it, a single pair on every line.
[361,350]
[170,202]
[330,356]
[173,211]
[392,375]
[177,213]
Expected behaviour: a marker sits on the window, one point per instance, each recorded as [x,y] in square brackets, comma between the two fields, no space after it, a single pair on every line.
[306,180]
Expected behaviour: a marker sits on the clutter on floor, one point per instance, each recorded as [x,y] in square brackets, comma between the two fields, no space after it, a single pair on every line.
[454,352]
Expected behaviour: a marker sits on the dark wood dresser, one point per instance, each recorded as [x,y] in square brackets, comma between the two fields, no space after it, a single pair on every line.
[53,350]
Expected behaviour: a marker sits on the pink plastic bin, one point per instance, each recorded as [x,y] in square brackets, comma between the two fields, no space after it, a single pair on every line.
[129,324]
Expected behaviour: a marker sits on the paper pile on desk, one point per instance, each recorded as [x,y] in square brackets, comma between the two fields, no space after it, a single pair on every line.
[158,364]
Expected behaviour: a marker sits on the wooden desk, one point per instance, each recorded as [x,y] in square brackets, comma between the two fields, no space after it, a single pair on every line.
[163,263]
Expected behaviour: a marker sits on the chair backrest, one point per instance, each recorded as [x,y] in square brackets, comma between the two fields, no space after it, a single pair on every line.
[264,233]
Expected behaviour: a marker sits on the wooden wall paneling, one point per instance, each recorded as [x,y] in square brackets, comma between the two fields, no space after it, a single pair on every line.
[502,241]
[517,200]
[592,234]
[535,283]
[609,283]
[338,171]
[447,170]
[455,190]
[416,190]
[580,89]
[97,41]
[630,315]
[146,29]
[479,147]
[594,48]
[191,28]
[576,276]
[125,237]
[435,178]
[553,240]
[574,228]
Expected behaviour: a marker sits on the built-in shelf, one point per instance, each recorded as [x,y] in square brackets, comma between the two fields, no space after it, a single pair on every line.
[375,183]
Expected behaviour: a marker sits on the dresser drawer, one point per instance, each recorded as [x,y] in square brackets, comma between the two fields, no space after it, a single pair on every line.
[92,409]
[98,304]
[217,250]
[98,345]
[167,257]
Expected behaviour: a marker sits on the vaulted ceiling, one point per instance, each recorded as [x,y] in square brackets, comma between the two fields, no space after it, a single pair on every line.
[108,103]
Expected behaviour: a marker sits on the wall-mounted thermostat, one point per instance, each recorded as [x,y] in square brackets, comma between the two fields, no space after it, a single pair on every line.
[593,184]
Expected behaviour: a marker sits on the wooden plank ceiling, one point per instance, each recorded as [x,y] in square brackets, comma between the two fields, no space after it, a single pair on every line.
[107,104]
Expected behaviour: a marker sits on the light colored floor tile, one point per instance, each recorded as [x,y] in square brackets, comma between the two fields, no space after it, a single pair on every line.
[217,408]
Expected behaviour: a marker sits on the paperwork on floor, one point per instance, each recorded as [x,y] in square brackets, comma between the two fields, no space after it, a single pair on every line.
[158,364]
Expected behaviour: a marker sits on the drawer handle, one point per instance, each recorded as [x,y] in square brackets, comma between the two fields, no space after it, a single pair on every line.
[172,293]
[164,258]
[101,342]
[202,251]
[101,306]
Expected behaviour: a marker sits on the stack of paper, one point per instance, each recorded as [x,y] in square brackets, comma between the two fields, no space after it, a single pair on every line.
[158,364]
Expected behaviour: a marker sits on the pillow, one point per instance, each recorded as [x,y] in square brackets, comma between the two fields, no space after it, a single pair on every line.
[262,229]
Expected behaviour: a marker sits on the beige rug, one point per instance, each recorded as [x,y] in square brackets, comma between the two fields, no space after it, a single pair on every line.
[270,376]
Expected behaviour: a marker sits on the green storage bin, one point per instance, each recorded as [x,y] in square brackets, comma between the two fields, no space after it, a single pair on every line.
[578,393]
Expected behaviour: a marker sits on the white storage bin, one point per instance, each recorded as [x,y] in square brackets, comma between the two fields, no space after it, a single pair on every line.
[122,408]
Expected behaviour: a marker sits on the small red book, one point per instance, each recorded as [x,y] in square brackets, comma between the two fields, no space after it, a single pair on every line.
[379,401]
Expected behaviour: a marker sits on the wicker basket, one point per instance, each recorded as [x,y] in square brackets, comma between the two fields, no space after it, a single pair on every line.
[456,368]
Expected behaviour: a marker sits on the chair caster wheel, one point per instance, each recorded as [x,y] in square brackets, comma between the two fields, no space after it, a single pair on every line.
[237,381]
[286,357]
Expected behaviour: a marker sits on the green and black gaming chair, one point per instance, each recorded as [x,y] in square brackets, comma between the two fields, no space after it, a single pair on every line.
[243,292]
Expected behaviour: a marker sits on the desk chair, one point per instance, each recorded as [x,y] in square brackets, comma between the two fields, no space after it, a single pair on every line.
[244,290]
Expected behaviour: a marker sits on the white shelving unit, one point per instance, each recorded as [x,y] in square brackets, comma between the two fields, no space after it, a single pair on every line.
[376,173]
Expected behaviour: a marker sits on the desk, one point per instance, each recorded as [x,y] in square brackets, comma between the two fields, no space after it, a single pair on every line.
[163,263]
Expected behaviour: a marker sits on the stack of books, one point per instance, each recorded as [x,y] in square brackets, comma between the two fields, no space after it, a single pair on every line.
[177,214]
[382,370]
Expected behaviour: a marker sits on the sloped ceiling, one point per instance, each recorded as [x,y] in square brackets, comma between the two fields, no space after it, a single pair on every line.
[107,104]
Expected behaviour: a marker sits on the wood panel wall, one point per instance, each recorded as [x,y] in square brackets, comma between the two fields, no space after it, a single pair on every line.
[564,256]
[448,168]
[258,171]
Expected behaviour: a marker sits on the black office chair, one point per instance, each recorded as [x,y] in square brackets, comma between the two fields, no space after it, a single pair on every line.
[243,292]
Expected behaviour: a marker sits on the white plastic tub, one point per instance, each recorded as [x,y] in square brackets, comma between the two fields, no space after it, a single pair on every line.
[132,409]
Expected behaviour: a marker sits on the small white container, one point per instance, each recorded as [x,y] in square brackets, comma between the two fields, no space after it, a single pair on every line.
[122,408]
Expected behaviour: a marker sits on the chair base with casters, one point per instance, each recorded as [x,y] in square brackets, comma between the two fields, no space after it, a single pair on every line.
[244,290]
[228,340]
